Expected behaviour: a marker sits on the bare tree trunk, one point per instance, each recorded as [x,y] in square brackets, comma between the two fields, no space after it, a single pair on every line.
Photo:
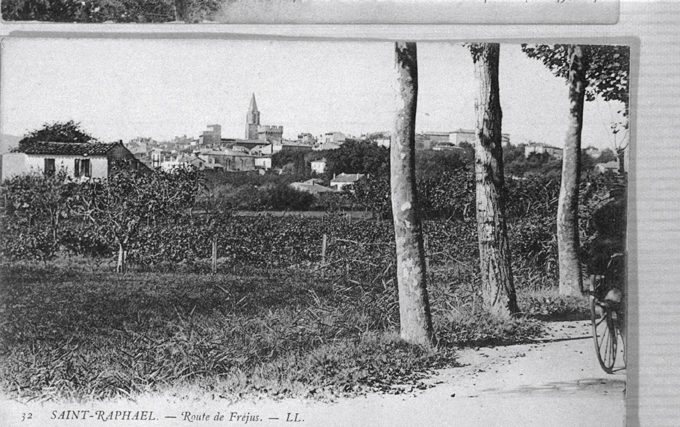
[120,266]
[414,307]
[498,290]
[181,10]
[621,156]
[571,281]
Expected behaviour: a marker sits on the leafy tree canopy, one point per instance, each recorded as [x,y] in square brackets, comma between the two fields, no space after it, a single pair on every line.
[89,11]
[57,132]
[435,163]
[358,157]
[607,74]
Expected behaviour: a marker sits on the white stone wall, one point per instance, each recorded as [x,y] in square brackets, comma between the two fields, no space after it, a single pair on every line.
[37,163]
[318,166]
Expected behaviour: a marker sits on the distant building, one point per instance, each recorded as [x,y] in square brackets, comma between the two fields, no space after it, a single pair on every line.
[159,156]
[612,166]
[326,146]
[540,148]
[270,133]
[232,161]
[423,142]
[294,145]
[249,144]
[312,186]
[270,149]
[212,136]
[307,138]
[318,166]
[263,163]
[455,137]
[593,152]
[240,148]
[139,147]
[334,137]
[383,142]
[78,160]
[470,136]
[437,136]
[345,180]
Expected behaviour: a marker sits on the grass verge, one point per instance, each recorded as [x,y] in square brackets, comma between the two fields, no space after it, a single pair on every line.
[79,333]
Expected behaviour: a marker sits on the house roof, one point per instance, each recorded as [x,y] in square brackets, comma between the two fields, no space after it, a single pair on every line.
[69,148]
[614,164]
[328,146]
[312,188]
[295,144]
[347,177]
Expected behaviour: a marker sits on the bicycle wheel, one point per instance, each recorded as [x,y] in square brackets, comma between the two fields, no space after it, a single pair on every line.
[621,328]
[604,334]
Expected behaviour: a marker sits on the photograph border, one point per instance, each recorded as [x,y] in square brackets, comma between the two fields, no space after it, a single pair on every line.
[653,204]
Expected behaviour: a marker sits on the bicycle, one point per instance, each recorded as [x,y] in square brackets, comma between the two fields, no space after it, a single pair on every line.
[607,313]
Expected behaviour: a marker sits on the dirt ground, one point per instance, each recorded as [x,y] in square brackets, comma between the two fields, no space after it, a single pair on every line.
[554,382]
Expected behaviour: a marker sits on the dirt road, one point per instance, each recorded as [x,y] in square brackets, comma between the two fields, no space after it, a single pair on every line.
[556,382]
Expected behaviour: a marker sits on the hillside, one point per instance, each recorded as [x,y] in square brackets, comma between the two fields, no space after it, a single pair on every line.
[7,142]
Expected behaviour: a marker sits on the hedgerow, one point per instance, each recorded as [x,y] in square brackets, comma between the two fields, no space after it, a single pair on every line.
[43,216]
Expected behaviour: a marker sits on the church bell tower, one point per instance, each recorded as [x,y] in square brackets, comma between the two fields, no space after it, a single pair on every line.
[252,119]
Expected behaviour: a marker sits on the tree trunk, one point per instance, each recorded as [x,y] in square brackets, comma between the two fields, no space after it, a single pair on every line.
[621,156]
[120,266]
[181,10]
[571,281]
[414,307]
[498,290]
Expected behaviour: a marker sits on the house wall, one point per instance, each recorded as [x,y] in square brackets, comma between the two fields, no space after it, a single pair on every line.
[212,136]
[334,137]
[263,162]
[236,163]
[538,149]
[340,185]
[119,152]
[318,167]
[458,137]
[99,165]
[13,164]
[437,136]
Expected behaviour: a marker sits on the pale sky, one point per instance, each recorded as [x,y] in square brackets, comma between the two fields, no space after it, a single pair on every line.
[127,88]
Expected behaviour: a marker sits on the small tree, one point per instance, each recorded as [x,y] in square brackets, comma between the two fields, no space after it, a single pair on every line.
[57,132]
[37,204]
[121,205]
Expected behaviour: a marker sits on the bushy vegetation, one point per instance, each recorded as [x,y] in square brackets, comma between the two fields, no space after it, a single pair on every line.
[279,317]
[97,11]
[43,216]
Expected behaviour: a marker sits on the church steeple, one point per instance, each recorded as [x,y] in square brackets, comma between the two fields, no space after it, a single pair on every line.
[253,105]
[252,119]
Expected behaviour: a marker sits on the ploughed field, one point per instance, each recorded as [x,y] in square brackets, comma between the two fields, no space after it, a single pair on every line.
[73,331]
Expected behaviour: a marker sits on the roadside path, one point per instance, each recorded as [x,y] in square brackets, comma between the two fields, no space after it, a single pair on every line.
[553,383]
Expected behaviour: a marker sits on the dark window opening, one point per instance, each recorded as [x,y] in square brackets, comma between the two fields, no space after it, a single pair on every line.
[83,168]
[50,168]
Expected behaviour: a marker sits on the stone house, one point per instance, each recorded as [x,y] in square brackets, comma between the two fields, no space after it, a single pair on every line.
[78,160]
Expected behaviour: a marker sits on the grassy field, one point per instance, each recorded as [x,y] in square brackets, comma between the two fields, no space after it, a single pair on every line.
[80,332]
